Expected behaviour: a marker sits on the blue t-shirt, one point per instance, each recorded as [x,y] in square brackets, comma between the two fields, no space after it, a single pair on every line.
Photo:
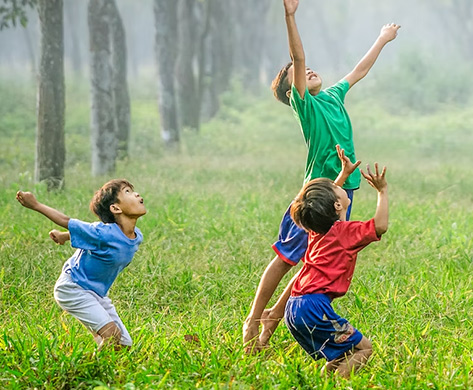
[103,251]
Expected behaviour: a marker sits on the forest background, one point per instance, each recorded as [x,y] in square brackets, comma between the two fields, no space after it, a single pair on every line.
[216,193]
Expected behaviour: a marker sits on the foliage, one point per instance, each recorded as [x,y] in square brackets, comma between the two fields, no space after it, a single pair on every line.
[419,81]
[12,11]
[213,213]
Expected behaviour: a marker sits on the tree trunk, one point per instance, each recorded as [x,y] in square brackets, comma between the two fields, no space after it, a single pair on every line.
[222,41]
[165,13]
[119,79]
[250,36]
[103,134]
[215,55]
[50,145]
[187,102]
[203,57]
[71,8]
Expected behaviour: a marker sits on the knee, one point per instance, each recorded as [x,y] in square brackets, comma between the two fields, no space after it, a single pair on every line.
[365,346]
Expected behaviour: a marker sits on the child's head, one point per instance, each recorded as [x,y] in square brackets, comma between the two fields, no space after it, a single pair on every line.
[106,197]
[281,84]
[318,205]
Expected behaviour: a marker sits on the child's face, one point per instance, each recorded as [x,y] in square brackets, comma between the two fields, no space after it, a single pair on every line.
[343,202]
[131,203]
[313,80]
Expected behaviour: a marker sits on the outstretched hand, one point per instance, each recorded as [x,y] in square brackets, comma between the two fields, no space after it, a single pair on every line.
[389,31]
[290,6]
[347,166]
[26,199]
[375,179]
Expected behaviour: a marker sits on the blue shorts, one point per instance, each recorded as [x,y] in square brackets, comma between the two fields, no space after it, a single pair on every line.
[292,240]
[318,329]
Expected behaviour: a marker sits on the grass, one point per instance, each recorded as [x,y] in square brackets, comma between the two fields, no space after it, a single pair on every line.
[213,213]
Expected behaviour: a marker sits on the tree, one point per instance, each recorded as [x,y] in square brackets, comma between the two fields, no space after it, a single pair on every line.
[12,11]
[250,37]
[50,145]
[71,8]
[215,58]
[121,97]
[165,14]
[103,134]
[187,102]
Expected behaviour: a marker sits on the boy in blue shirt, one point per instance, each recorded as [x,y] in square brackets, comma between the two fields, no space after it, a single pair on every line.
[324,123]
[104,249]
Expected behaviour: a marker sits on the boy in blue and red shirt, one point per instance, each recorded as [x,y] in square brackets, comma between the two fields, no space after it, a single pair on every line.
[329,263]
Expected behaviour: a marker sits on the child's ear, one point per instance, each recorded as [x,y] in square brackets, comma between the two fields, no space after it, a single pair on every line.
[338,206]
[288,93]
[115,208]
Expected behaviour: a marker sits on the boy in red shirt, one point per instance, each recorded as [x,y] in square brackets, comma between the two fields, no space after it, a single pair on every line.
[329,263]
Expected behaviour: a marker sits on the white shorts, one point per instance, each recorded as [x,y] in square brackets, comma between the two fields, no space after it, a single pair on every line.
[88,307]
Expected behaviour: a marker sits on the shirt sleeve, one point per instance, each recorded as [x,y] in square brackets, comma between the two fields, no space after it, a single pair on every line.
[302,110]
[339,90]
[84,235]
[359,234]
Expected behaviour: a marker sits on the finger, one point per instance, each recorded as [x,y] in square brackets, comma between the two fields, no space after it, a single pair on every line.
[376,170]
[368,169]
[383,173]
[356,165]
[364,175]
[339,152]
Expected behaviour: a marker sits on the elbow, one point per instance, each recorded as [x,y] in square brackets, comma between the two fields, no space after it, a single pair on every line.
[380,230]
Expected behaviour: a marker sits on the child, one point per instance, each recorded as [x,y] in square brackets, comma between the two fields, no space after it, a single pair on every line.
[324,123]
[329,263]
[104,249]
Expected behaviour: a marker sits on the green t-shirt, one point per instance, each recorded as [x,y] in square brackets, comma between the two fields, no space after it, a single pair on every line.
[325,123]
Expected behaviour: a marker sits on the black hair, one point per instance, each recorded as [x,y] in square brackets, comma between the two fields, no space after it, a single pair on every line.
[314,207]
[106,196]
[280,85]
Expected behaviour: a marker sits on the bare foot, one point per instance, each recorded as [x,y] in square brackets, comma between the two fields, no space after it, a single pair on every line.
[270,324]
[250,336]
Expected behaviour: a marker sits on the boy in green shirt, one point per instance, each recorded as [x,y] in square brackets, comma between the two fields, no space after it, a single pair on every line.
[324,123]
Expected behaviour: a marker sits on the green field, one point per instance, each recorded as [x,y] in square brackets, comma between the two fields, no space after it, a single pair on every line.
[213,213]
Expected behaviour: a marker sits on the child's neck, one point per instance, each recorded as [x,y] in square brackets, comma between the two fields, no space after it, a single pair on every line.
[127,226]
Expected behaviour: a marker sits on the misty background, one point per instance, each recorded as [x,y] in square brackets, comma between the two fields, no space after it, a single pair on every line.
[433,46]
[185,55]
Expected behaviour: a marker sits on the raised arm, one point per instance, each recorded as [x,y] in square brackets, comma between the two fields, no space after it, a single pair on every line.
[387,34]
[378,182]
[296,50]
[347,167]
[28,200]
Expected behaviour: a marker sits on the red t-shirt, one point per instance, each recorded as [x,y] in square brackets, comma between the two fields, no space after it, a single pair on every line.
[329,261]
